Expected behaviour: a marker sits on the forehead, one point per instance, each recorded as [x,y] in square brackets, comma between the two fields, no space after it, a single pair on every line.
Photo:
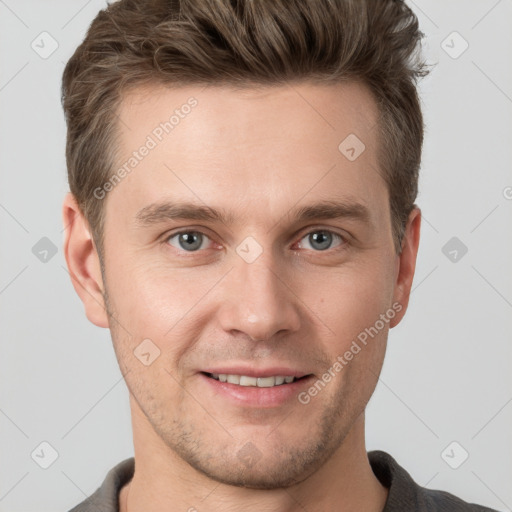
[263,146]
[258,110]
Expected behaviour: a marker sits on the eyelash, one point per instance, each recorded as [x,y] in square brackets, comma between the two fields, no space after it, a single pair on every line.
[339,248]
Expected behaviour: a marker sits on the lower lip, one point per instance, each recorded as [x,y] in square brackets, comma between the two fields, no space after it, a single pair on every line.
[255,396]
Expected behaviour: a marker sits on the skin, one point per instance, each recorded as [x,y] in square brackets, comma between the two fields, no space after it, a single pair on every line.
[257,153]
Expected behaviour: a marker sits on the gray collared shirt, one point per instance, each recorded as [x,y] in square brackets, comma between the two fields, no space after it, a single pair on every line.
[405,495]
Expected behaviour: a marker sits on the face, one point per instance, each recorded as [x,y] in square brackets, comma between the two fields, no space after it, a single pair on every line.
[244,241]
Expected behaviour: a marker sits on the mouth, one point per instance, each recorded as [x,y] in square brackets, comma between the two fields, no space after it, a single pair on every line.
[263,388]
[253,381]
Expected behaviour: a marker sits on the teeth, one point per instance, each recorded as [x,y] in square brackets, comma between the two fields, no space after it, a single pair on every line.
[265,382]
[261,382]
[248,381]
[234,379]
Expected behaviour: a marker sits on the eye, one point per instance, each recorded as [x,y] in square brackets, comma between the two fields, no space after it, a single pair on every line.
[190,241]
[322,239]
[318,240]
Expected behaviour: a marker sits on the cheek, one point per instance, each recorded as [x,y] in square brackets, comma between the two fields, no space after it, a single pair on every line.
[172,305]
[348,300]
[159,303]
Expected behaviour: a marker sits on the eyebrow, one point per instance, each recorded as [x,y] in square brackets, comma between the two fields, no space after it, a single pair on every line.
[159,212]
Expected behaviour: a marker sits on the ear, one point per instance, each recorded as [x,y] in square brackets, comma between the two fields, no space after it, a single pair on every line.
[83,262]
[406,264]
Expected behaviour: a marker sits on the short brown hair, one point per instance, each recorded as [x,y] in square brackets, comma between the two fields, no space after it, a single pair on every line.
[244,43]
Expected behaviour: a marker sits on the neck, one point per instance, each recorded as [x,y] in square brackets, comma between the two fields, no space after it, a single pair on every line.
[164,482]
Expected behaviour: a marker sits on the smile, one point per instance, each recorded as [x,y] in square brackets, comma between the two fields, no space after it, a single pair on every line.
[245,380]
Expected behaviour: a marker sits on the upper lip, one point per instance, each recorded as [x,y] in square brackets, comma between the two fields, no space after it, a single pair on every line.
[258,372]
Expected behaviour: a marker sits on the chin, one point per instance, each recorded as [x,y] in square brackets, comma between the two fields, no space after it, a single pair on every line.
[276,467]
[267,478]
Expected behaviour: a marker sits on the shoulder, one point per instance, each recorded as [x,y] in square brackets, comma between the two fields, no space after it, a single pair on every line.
[406,495]
[106,497]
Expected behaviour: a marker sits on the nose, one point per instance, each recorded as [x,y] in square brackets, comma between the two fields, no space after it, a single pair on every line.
[258,300]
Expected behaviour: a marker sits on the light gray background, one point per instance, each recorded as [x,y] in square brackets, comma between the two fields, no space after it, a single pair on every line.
[446,375]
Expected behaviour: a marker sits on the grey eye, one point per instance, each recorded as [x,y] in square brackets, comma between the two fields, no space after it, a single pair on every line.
[321,240]
[189,241]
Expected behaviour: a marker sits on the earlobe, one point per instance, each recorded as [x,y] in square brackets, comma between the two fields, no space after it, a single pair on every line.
[83,262]
[406,264]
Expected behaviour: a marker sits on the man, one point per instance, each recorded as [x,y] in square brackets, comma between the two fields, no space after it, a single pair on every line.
[242,218]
